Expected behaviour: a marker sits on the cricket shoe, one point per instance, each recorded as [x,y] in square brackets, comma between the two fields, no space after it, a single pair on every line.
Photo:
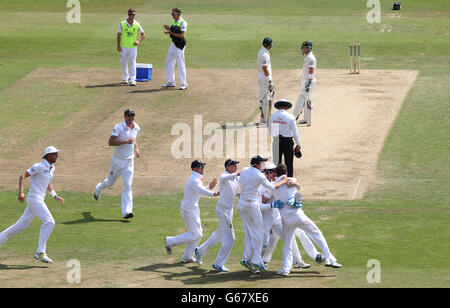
[43,257]
[168,85]
[183,87]
[133,83]
[246,264]
[168,247]
[125,82]
[301,264]
[128,216]
[320,258]
[198,257]
[254,269]
[192,260]
[302,122]
[332,263]
[222,268]
[261,266]
[97,195]
[282,273]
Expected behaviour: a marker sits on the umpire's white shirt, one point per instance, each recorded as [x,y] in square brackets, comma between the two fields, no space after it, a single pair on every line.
[193,190]
[283,123]
[228,188]
[251,178]
[41,175]
[123,132]
[263,60]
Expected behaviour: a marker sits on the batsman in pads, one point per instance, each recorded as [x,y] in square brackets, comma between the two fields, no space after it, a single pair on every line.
[266,85]
[308,82]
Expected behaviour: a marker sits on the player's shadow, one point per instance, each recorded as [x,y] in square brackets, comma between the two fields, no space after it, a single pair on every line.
[200,275]
[148,90]
[19,267]
[89,218]
[107,85]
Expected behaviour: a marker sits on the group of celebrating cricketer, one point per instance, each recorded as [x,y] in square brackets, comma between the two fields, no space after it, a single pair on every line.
[270,208]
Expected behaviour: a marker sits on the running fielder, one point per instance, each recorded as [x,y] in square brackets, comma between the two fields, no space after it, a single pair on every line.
[40,175]
[228,190]
[190,211]
[308,82]
[123,138]
[265,79]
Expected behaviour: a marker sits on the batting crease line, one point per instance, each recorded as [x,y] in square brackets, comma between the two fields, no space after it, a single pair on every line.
[356,189]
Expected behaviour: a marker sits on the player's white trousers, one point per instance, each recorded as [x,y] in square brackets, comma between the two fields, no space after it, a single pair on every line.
[302,102]
[252,222]
[290,224]
[193,235]
[35,208]
[224,234]
[124,168]
[128,56]
[275,234]
[175,56]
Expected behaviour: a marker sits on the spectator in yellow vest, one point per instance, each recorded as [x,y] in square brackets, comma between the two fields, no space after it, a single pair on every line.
[127,42]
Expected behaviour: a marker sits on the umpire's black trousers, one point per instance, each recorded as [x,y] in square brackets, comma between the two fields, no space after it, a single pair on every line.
[286,149]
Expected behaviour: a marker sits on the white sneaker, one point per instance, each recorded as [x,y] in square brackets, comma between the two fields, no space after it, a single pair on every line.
[43,257]
[301,264]
[222,268]
[97,194]
[183,87]
[168,247]
[133,83]
[333,264]
[198,257]
[282,273]
[192,260]
[125,82]
[168,85]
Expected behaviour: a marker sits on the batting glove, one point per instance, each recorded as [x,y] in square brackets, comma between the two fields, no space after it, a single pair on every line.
[308,86]
[271,86]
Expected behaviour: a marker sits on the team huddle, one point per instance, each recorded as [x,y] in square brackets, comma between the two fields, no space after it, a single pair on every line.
[270,208]
[269,202]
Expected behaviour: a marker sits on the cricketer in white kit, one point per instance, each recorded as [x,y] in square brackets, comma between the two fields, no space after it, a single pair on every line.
[308,82]
[293,217]
[127,42]
[123,138]
[251,179]
[266,85]
[228,190]
[190,211]
[40,175]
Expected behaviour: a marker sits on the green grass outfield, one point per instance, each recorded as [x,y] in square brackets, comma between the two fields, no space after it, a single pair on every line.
[403,221]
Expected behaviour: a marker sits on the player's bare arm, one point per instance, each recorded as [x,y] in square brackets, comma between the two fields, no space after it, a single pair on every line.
[114,142]
[141,38]
[136,150]
[22,177]
[54,195]
[119,49]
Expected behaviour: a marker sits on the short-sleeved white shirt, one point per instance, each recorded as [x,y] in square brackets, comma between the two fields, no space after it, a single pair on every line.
[283,123]
[123,132]
[309,61]
[119,30]
[264,60]
[41,175]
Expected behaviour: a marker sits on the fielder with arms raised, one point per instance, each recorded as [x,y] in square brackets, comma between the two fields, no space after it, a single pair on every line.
[40,175]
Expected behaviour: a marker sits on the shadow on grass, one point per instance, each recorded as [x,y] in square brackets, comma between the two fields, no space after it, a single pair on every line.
[89,218]
[148,90]
[107,85]
[19,267]
[197,275]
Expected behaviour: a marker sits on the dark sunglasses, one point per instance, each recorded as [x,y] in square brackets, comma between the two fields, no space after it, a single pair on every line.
[131,14]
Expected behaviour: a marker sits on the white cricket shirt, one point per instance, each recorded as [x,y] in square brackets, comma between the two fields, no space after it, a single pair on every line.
[251,178]
[123,132]
[263,60]
[193,190]
[41,175]
[283,123]
[228,188]
[309,61]
[283,194]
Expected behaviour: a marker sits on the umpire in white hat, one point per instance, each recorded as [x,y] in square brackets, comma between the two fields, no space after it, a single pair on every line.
[284,131]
